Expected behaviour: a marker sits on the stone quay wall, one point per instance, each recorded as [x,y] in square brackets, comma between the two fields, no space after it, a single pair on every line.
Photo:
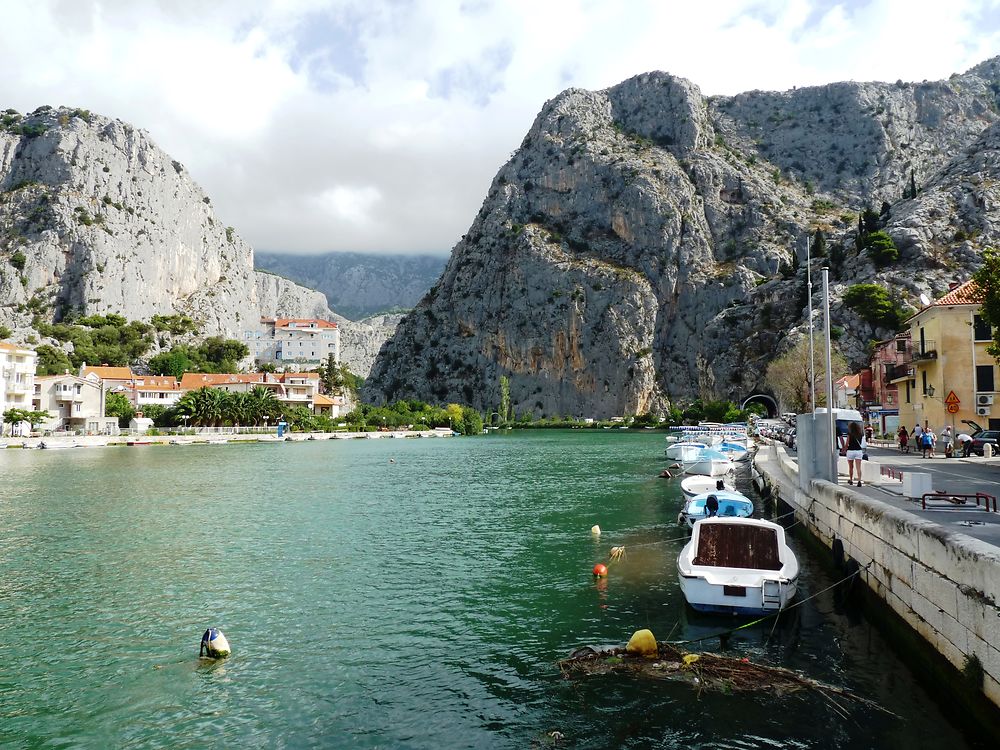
[944,584]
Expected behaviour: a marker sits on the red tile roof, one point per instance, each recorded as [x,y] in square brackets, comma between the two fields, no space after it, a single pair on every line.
[304,323]
[966,294]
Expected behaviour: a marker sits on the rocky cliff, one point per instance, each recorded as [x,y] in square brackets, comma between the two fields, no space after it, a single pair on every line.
[359,284]
[95,218]
[646,243]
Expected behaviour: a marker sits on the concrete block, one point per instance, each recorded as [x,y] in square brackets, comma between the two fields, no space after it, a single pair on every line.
[916,484]
[940,591]
[900,564]
[929,612]
[989,656]
[903,592]
[972,614]
[951,652]
[954,633]
[871,471]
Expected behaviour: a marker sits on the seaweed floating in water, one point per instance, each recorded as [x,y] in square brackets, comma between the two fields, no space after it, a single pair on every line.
[705,671]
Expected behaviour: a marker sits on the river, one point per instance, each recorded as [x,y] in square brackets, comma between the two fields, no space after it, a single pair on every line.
[392,593]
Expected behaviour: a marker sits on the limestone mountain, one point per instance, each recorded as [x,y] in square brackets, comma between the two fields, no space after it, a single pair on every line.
[646,243]
[359,284]
[95,218]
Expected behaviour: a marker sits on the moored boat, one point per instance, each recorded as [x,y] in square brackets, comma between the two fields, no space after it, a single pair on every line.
[696,484]
[684,451]
[710,463]
[737,566]
[731,505]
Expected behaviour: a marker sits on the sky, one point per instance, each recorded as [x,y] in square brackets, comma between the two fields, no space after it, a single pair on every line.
[378,125]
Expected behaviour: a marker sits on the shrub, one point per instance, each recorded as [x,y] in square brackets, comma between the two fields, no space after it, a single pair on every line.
[18,260]
[873,304]
[881,248]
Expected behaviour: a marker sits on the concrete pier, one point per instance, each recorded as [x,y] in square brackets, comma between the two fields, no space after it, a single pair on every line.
[945,585]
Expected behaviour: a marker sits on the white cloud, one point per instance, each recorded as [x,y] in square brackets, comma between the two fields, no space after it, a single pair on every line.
[360,125]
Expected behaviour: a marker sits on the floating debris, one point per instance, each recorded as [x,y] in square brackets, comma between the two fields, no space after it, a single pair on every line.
[705,671]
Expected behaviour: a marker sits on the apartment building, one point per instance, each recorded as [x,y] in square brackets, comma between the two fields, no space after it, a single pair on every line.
[946,375]
[304,342]
[17,377]
[73,403]
[290,388]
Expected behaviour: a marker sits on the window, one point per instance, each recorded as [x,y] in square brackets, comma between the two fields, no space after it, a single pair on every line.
[922,348]
[908,390]
[901,345]
[923,381]
[982,331]
[984,378]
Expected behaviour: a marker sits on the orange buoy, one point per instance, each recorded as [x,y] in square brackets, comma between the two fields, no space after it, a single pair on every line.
[600,570]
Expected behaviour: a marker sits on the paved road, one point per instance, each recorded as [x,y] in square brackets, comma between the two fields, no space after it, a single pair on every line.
[951,475]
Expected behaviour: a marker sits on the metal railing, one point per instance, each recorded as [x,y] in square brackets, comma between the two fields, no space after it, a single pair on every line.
[960,500]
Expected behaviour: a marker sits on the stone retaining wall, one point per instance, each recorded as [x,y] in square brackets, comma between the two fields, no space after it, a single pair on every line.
[945,585]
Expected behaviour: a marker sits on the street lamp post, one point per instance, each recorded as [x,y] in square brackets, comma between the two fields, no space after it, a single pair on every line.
[831,449]
[812,356]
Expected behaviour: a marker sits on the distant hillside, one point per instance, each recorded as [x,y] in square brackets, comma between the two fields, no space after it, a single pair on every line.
[357,285]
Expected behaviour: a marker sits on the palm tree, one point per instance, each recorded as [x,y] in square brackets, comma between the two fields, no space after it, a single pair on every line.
[204,406]
[262,402]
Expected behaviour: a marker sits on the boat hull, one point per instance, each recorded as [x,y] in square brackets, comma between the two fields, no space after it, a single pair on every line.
[703,596]
[710,467]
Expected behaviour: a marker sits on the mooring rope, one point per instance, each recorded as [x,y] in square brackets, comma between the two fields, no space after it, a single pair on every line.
[765,618]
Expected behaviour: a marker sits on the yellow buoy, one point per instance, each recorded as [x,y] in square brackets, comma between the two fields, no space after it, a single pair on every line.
[642,643]
[595,530]
[690,659]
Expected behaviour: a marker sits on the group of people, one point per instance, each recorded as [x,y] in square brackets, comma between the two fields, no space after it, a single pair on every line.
[926,441]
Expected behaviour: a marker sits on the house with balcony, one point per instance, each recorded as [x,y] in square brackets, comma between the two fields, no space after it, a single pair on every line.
[946,376]
[889,368]
[302,342]
[73,403]
[153,390]
[290,388]
[17,377]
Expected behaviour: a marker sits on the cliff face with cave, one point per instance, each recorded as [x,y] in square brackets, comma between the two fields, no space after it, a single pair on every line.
[647,243]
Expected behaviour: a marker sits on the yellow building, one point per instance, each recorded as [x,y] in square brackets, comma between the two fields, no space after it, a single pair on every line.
[946,375]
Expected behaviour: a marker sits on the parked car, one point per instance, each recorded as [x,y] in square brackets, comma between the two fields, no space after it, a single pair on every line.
[983,437]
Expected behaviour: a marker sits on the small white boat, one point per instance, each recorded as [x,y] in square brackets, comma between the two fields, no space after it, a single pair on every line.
[731,505]
[696,484]
[710,463]
[737,566]
[55,446]
[685,451]
[735,451]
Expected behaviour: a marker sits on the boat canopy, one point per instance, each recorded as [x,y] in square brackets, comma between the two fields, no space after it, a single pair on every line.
[737,545]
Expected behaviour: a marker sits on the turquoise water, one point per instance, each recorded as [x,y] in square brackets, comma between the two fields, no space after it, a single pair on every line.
[389,593]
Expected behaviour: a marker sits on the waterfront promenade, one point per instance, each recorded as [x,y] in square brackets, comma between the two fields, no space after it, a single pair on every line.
[208,438]
[937,568]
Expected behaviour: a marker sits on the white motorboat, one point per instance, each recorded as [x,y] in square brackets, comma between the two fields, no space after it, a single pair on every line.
[737,566]
[696,484]
[710,463]
[685,450]
[731,505]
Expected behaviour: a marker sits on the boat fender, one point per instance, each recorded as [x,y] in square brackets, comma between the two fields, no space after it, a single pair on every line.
[214,644]
[643,643]
[600,570]
[595,530]
[838,553]
[765,491]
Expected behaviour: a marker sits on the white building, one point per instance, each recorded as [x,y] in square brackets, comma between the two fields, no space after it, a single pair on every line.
[17,377]
[73,403]
[303,342]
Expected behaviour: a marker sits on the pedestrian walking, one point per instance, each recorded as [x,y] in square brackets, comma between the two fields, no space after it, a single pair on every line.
[928,438]
[856,444]
[946,441]
[904,439]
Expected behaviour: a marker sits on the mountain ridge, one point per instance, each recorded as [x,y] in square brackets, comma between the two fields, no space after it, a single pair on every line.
[693,211]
